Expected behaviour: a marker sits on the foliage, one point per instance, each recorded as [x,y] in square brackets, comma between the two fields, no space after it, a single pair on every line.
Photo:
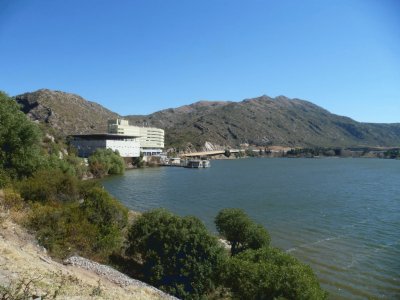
[239,154]
[69,163]
[103,210]
[105,161]
[240,231]
[20,151]
[5,179]
[50,185]
[251,153]
[138,162]
[393,153]
[269,273]
[12,200]
[227,153]
[20,289]
[92,228]
[179,255]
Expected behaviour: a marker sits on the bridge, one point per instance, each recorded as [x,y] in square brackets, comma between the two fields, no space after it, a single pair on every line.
[208,153]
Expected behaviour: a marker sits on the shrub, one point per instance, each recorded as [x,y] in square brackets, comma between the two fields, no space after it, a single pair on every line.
[5,179]
[105,161]
[50,185]
[138,162]
[269,273]
[70,164]
[178,254]
[63,229]
[92,228]
[12,200]
[240,231]
[20,150]
[103,210]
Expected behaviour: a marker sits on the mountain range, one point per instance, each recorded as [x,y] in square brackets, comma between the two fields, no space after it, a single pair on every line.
[261,121]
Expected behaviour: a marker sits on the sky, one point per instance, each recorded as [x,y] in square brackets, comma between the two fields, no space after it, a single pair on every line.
[138,57]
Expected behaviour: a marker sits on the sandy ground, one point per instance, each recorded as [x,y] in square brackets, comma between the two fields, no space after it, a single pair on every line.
[22,259]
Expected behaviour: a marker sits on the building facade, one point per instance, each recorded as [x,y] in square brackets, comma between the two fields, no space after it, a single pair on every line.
[151,139]
[126,145]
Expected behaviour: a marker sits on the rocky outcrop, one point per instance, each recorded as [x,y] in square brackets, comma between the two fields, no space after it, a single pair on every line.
[65,112]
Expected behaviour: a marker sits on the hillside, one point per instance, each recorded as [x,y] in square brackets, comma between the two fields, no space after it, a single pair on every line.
[267,121]
[67,113]
[22,260]
[261,121]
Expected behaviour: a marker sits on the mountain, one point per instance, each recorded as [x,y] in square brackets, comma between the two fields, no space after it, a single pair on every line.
[261,121]
[66,113]
[266,121]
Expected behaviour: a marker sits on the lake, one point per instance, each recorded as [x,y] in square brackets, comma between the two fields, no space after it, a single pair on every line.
[341,216]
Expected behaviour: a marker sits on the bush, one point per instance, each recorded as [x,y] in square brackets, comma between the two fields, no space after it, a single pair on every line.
[105,161]
[92,228]
[269,273]
[12,200]
[240,231]
[5,179]
[178,254]
[50,185]
[20,150]
[70,164]
[138,162]
[63,229]
[103,210]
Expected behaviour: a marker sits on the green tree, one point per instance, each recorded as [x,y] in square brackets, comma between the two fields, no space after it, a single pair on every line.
[241,232]
[20,150]
[251,153]
[227,153]
[269,273]
[105,161]
[178,254]
[138,162]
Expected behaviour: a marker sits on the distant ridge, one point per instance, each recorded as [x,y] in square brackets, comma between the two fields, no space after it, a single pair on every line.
[261,121]
[264,121]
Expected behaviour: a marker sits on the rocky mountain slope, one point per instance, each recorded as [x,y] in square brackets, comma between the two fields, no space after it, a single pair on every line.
[267,121]
[261,121]
[67,113]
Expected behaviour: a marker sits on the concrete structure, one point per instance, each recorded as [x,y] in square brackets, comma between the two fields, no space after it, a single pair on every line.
[126,145]
[151,139]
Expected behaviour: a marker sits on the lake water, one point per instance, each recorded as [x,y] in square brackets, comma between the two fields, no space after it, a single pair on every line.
[341,216]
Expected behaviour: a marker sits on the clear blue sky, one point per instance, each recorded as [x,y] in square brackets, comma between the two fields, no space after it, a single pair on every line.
[137,57]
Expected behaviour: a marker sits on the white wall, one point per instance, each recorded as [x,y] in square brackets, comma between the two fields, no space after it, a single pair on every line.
[126,148]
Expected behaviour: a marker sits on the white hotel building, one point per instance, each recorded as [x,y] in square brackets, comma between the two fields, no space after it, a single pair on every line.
[151,139]
[128,140]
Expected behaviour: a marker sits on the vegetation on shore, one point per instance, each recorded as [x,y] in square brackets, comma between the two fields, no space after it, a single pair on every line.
[106,162]
[177,254]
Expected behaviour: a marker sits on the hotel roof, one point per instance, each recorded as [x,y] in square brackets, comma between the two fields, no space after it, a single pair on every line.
[105,136]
